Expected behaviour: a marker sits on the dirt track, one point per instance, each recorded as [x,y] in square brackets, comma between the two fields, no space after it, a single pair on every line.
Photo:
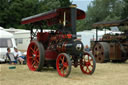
[105,74]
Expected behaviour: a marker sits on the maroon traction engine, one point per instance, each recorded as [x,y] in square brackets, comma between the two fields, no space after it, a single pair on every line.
[57,48]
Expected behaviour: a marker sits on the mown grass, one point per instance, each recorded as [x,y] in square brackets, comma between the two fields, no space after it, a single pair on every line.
[105,74]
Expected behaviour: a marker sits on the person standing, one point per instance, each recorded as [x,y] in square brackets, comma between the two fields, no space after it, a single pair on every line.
[87,48]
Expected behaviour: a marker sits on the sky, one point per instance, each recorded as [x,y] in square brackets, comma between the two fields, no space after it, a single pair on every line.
[82,4]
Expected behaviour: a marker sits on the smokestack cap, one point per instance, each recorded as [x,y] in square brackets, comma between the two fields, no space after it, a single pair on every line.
[73,6]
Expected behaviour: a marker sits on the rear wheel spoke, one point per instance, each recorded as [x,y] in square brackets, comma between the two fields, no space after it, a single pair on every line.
[33,63]
[35,48]
[30,57]
[37,61]
[32,50]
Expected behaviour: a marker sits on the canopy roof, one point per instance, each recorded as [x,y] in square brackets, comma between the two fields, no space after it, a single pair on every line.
[54,16]
[111,23]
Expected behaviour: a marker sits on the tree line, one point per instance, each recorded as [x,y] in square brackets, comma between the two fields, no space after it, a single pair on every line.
[12,11]
[103,10]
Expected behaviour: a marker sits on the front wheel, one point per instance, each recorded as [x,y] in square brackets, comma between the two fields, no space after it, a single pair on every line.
[87,63]
[63,65]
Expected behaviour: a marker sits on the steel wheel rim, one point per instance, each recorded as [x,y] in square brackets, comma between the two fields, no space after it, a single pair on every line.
[62,65]
[99,53]
[86,64]
[33,56]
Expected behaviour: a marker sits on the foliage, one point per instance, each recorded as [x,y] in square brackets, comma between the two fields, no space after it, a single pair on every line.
[125,10]
[103,10]
[12,11]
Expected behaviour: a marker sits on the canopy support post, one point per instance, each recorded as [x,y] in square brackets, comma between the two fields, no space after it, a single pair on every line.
[96,34]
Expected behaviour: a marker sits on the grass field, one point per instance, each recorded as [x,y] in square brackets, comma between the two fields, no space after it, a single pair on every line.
[105,74]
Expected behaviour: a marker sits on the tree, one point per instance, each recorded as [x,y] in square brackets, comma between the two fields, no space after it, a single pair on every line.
[3,11]
[125,10]
[12,11]
[64,3]
[102,10]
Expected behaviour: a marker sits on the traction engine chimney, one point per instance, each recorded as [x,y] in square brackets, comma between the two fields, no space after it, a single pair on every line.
[73,18]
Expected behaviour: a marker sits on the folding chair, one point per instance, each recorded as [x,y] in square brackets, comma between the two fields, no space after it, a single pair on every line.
[11,58]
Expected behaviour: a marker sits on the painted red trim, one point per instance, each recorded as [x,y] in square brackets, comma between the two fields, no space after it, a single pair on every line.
[45,17]
[54,17]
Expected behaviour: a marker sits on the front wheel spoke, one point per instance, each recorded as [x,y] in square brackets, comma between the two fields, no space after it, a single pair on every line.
[62,69]
[83,60]
[91,60]
[63,60]
[59,64]
[88,57]
[66,68]
[65,64]
[82,63]
[88,69]
[91,66]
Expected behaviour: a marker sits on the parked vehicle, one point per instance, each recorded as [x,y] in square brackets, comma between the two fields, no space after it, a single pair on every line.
[59,48]
[6,40]
[112,47]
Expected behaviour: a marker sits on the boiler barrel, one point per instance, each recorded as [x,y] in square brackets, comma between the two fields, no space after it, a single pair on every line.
[71,47]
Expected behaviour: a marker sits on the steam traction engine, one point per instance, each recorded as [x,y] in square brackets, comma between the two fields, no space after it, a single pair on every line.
[112,47]
[57,48]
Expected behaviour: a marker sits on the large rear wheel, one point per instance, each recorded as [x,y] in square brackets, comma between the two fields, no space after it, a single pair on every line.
[87,63]
[35,56]
[63,65]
